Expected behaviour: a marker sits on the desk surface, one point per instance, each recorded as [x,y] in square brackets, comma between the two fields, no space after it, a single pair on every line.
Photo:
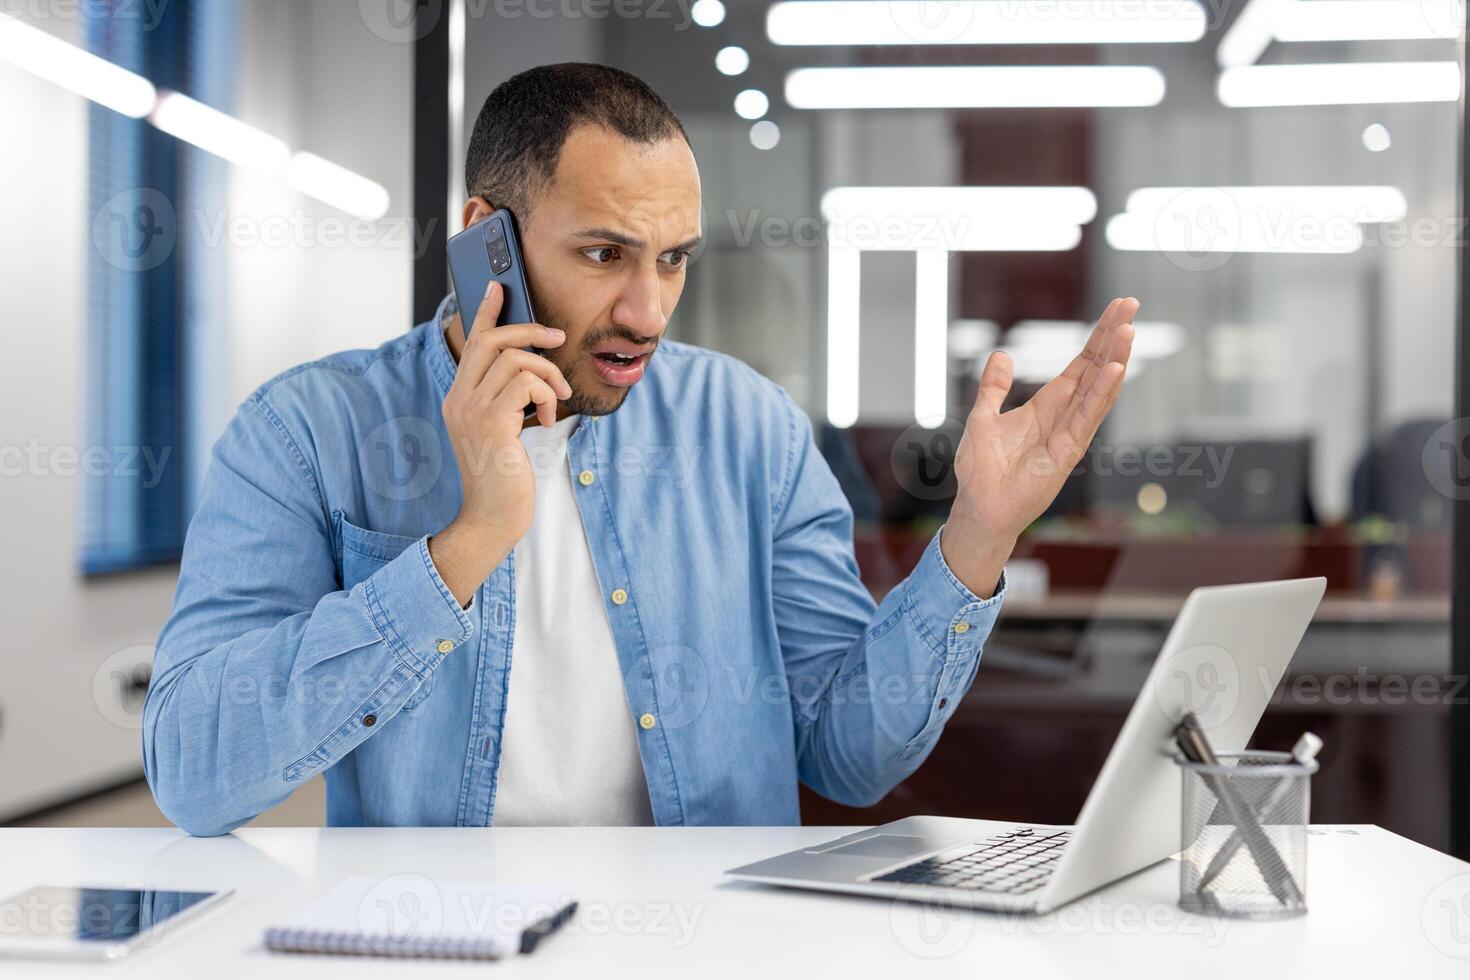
[653,904]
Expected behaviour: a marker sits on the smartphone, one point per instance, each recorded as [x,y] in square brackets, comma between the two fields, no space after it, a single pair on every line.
[95,923]
[490,249]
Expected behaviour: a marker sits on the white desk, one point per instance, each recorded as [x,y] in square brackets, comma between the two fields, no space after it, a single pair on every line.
[653,904]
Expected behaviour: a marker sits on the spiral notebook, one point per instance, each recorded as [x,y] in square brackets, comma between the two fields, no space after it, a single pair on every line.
[413,916]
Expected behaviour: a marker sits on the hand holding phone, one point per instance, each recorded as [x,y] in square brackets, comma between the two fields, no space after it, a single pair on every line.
[483,414]
[489,251]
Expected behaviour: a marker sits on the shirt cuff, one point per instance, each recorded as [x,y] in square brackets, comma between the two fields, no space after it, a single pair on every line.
[414,610]
[954,620]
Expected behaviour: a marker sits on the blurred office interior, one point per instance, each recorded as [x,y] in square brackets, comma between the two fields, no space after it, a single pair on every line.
[891,191]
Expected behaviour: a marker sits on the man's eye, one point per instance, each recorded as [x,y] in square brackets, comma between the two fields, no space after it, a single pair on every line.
[602,254]
[675,257]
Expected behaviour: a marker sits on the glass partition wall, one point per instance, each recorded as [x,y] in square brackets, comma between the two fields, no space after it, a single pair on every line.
[894,190]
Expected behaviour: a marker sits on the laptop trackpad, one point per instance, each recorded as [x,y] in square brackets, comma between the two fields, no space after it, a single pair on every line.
[886,846]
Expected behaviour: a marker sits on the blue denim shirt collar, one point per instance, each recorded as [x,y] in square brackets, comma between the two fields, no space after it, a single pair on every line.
[441,360]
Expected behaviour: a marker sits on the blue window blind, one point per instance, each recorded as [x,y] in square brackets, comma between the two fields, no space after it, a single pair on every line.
[155,297]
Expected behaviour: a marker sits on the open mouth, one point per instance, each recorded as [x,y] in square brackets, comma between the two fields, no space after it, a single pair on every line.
[621,370]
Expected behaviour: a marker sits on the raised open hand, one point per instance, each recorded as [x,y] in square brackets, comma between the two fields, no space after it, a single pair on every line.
[1010,465]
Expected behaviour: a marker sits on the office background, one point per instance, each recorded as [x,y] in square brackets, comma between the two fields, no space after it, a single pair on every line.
[1289,410]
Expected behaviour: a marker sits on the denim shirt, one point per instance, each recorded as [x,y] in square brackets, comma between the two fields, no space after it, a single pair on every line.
[311,632]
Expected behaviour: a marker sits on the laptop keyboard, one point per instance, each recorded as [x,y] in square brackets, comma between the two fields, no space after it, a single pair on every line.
[1013,863]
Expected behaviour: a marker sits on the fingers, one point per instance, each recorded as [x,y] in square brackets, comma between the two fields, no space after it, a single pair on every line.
[1084,417]
[489,310]
[1105,347]
[1095,343]
[528,387]
[1100,343]
[1101,383]
[486,340]
[1124,351]
[995,382]
[514,361]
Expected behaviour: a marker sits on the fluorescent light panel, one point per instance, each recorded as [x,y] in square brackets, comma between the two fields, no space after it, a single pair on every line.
[1361,203]
[1354,83]
[1041,349]
[844,280]
[959,219]
[337,186]
[1367,20]
[1151,338]
[1130,233]
[220,134]
[79,71]
[1287,220]
[1065,205]
[858,22]
[931,337]
[75,69]
[1250,33]
[974,87]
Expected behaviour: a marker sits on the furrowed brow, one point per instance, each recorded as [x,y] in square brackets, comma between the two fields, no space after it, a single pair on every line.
[608,235]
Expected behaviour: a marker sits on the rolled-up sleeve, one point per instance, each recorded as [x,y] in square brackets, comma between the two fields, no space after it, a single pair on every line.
[871,685]
[267,670]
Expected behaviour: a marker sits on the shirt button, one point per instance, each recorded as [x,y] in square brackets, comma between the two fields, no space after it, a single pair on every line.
[444,646]
[368,721]
[646,722]
[586,477]
[962,627]
[619,597]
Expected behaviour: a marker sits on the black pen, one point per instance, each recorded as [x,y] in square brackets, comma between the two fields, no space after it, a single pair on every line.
[1196,748]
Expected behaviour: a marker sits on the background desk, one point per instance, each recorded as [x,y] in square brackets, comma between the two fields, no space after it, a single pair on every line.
[654,905]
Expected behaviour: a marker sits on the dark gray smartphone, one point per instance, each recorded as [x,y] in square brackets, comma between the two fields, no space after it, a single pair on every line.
[490,249]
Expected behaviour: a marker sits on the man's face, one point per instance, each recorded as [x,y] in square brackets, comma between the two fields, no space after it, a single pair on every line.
[606,248]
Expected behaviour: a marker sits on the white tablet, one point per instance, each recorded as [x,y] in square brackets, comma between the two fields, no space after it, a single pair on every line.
[94,923]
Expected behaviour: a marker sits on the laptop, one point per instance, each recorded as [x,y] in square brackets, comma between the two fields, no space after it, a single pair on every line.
[1224,656]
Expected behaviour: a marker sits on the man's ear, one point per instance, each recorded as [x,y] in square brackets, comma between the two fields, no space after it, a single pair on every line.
[476,209]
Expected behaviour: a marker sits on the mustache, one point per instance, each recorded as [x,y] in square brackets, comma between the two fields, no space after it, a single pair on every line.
[615,332]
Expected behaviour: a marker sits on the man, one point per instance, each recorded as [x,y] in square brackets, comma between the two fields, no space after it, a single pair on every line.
[639,606]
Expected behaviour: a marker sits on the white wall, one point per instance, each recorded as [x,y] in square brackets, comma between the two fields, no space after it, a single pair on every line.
[316,76]
[58,629]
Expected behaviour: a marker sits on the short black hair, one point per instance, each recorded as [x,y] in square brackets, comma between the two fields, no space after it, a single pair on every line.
[522,126]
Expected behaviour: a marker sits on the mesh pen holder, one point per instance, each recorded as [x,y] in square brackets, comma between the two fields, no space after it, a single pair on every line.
[1233,866]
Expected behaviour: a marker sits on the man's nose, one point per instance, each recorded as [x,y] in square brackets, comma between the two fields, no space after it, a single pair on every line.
[640,308]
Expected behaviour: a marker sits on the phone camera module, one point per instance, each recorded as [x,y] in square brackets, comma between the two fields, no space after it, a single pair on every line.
[499,255]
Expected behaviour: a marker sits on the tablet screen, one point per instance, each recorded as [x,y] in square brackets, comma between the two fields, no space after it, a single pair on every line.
[102,915]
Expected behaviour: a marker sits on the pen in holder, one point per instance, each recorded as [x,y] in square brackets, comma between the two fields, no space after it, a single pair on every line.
[1244,847]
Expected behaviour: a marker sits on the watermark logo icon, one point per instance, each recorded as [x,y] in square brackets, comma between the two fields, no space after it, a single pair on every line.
[1202,679]
[681,682]
[923,459]
[400,21]
[930,927]
[1446,459]
[1445,917]
[120,686]
[1199,229]
[1445,18]
[401,459]
[403,910]
[136,230]
[933,21]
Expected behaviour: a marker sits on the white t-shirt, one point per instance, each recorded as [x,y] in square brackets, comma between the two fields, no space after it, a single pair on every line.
[569,751]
